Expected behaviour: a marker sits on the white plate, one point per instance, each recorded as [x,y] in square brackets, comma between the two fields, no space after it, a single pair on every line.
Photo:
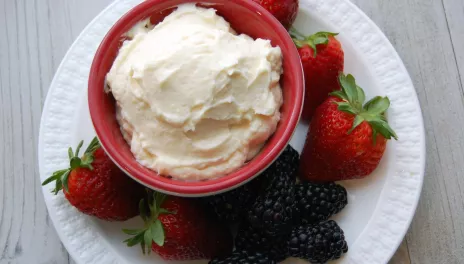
[380,208]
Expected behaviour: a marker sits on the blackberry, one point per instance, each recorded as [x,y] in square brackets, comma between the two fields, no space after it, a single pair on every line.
[251,239]
[272,210]
[245,257]
[231,206]
[288,161]
[317,202]
[318,243]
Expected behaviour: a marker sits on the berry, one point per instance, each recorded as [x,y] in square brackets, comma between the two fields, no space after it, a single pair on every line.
[316,202]
[96,186]
[251,239]
[272,210]
[284,10]
[286,164]
[179,229]
[323,59]
[231,206]
[318,243]
[346,140]
[244,257]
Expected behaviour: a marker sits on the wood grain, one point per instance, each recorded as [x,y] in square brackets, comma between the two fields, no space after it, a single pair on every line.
[24,78]
[419,30]
[428,34]
[35,36]
[455,18]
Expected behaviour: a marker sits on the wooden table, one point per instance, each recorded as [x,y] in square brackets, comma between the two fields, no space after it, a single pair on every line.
[35,34]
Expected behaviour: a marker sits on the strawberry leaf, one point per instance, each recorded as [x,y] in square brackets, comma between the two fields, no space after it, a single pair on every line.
[94,145]
[157,233]
[294,33]
[357,121]
[314,47]
[142,245]
[56,175]
[319,38]
[79,146]
[75,163]
[383,128]
[361,97]
[70,153]
[349,87]
[339,94]
[328,33]
[61,177]
[347,108]
[159,199]
[353,98]
[143,210]
[297,37]
[86,161]
[64,180]
[147,238]
[58,187]
[377,105]
[150,209]
[134,240]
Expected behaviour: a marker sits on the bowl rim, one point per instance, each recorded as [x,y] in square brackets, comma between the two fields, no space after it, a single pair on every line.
[207,187]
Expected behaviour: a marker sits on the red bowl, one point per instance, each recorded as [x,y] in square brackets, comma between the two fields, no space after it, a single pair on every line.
[246,17]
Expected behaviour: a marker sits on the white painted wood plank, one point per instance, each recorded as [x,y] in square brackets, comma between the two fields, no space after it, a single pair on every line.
[24,219]
[455,17]
[35,36]
[419,31]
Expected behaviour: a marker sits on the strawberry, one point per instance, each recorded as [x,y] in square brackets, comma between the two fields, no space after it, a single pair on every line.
[179,229]
[323,59]
[284,10]
[346,140]
[96,186]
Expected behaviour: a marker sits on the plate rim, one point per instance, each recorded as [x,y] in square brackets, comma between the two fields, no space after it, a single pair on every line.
[342,13]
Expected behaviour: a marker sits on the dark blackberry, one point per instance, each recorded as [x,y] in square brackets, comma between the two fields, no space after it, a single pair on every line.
[317,202]
[251,239]
[231,206]
[244,257]
[272,210]
[318,243]
[288,161]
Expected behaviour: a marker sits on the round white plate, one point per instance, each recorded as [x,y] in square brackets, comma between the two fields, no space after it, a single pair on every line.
[380,208]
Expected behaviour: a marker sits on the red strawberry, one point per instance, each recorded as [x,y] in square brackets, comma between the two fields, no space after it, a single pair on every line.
[96,186]
[179,229]
[284,10]
[323,60]
[346,140]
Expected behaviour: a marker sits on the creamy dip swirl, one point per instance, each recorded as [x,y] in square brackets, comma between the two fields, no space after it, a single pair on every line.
[195,100]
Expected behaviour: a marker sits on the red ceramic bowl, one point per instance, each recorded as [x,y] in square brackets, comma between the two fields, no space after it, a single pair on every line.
[245,17]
